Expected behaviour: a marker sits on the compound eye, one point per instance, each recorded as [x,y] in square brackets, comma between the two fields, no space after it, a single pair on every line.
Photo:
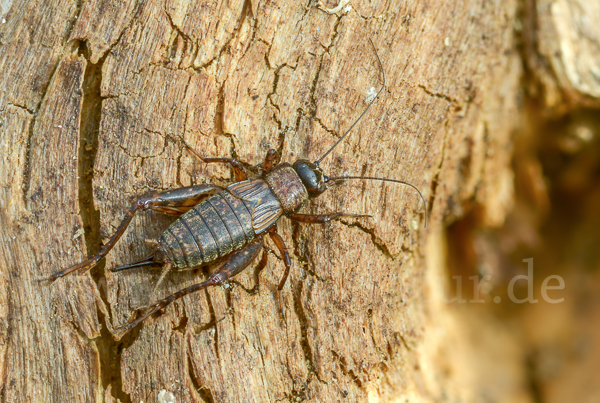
[311,176]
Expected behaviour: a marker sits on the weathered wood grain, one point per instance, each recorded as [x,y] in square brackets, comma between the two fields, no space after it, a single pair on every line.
[47,349]
[563,51]
[355,320]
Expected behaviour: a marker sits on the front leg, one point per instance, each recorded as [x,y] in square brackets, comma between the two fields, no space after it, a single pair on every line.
[172,202]
[321,218]
[237,262]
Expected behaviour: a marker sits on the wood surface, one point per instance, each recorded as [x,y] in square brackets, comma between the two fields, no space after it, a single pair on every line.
[94,99]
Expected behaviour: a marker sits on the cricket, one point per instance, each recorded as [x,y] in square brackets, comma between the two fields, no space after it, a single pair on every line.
[217,224]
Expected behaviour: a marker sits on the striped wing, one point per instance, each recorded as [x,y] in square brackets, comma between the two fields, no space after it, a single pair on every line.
[264,207]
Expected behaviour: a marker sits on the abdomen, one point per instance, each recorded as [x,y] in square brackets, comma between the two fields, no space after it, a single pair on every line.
[212,229]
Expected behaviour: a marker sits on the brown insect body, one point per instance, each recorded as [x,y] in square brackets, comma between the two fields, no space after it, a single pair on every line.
[231,219]
[229,224]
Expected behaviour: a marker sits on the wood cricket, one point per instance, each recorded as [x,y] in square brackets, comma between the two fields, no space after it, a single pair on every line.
[230,223]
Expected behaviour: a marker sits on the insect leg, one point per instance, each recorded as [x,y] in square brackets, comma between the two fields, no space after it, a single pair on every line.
[174,202]
[284,254]
[237,262]
[238,166]
[178,201]
[320,219]
[262,263]
[269,160]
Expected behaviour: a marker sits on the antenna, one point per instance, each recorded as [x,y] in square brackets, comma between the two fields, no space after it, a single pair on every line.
[343,178]
[363,113]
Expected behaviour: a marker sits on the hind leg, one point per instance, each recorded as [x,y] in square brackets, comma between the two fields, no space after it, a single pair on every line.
[236,263]
[172,202]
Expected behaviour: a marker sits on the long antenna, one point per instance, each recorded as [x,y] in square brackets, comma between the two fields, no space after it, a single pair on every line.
[362,114]
[343,178]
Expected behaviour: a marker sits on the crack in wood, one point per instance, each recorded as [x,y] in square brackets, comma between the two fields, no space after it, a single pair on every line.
[134,16]
[304,324]
[447,98]
[89,129]
[347,371]
[204,392]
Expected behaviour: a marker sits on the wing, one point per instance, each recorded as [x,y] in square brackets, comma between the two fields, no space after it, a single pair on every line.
[262,204]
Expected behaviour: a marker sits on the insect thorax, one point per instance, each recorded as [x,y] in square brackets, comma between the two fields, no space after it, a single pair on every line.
[287,187]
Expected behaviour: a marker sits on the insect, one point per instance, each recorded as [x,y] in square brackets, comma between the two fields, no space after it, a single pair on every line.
[229,224]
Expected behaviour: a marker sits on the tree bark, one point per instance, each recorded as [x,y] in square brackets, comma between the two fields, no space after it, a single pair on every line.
[96,97]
